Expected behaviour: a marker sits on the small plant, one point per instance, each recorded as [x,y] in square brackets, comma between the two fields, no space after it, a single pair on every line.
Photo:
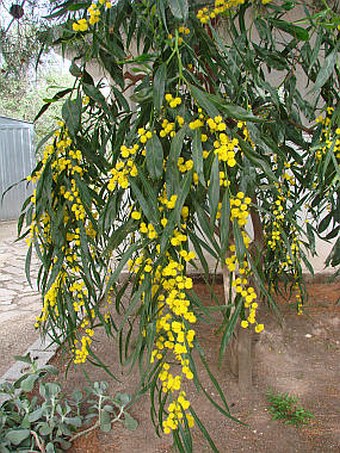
[49,423]
[287,408]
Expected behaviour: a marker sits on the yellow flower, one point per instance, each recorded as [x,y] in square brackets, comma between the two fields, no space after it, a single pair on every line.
[259,328]
[80,25]
[136,215]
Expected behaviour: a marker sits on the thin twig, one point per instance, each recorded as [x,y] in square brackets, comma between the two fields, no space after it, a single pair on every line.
[38,442]
[86,431]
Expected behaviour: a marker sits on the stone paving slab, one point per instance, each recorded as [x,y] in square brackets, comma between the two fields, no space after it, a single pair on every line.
[19,302]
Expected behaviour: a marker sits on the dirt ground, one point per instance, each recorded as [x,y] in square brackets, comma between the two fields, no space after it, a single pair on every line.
[299,356]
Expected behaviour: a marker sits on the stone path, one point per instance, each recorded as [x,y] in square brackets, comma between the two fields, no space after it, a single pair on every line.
[19,302]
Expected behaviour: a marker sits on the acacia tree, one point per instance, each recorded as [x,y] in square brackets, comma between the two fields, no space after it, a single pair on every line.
[195,142]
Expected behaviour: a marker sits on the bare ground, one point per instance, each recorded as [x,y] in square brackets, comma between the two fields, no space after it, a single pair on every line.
[299,356]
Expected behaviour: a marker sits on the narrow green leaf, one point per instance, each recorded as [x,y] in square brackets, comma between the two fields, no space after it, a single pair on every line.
[172,175]
[174,217]
[204,431]
[55,98]
[235,111]
[298,32]
[225,225]
[179,9]
[230,328]
[203,100]
[159,86]
[154,157]
[326,70]
[197,155]
[239,242]
[71,112]
[214,190]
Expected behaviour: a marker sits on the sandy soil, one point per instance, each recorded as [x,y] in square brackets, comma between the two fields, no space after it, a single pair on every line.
[300,355]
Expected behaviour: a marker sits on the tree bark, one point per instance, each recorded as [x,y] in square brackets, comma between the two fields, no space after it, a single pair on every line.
[240,347]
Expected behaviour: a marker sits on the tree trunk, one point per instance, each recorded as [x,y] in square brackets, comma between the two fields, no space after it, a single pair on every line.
[240,347]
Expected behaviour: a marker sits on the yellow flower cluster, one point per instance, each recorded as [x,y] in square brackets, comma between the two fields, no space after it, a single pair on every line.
[175,337]
[173,102]
[149,230]
[94,13]
[120,174]
[174,334]
[276,225]
[298,298]
[177,413]
[242,125]
[79,293]
[224,146]
[81,349]
[183,30]
[224,181]
[239,208]
[144,135]
[168,203]
[72,195]
[204,15]
[168,129]
[185,165]
[241,285]
[328,139]
[196,124]
[50,300]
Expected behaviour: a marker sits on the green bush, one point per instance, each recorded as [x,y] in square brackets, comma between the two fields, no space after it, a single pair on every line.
[50,422]
[287,408]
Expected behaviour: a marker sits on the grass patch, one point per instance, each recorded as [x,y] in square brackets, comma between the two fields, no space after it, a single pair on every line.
[283,406]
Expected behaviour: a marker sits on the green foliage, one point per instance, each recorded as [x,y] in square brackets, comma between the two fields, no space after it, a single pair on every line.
[203,131]
[50,422]
[287,408]
[22,98]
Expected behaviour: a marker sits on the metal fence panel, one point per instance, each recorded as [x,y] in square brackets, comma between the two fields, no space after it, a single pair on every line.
[16,162]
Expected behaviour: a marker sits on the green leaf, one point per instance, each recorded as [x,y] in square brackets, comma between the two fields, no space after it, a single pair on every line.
[179,9]
[71,112]
[105,421]
[159,86]
[50,448]
[204,431]
[16,436]
[214,190]
[122,399]
[204,101]
[75,70]
[197,155]
[239,242]
[24,358]
[35,415]
[326,70]
[28,383]
[55,98]
[172,173]
[154,157]
[229,330]
[175,215]
[148,209]
[94,93]
[225,225]
[237,112]
[129,422]
[294,30]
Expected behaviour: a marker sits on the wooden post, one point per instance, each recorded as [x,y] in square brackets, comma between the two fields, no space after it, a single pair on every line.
[240,347]
[245,360]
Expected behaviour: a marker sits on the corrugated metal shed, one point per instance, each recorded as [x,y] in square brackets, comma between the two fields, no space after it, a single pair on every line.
[17,160]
